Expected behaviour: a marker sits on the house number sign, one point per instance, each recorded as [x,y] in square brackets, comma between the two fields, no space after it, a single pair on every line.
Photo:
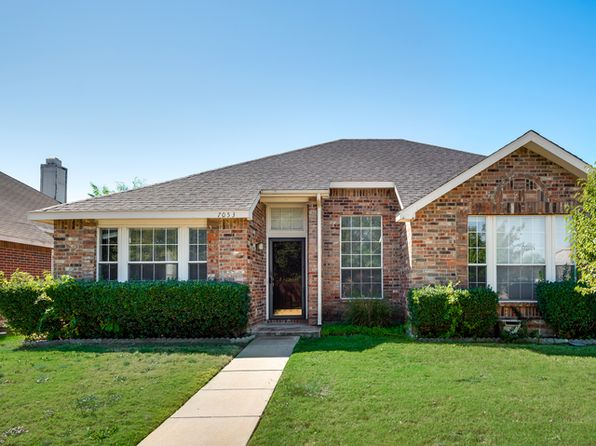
[226,214]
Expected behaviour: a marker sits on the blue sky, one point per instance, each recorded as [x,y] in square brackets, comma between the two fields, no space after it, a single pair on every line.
[164,89]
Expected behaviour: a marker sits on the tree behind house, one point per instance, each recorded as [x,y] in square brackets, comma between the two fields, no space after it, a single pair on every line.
[98,191]
[582,226]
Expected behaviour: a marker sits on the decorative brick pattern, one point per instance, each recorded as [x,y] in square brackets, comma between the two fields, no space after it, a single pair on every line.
[28,258]
[74,248]
[521,183]
[344,202]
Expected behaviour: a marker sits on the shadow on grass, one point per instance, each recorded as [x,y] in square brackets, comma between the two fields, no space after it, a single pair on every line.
[359,343]
[15,343]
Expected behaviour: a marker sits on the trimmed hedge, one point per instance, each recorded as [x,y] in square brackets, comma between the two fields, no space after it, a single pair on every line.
[445,311]
[569,312]
[23,301]
[85,309]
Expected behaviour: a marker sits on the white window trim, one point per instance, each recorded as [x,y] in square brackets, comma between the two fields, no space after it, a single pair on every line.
[193,262]
[341,297]
[123,228]
[273,233]
[491,251]
[98,251]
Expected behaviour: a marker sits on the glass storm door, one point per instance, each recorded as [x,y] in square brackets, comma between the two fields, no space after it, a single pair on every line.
[286,277]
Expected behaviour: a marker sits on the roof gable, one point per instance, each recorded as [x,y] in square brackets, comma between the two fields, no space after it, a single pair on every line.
[531,140]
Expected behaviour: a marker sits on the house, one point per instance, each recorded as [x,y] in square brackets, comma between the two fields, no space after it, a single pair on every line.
[311,229]
[24,244]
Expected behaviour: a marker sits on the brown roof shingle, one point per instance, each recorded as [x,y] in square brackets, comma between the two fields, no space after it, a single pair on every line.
[16,200]
[415,168]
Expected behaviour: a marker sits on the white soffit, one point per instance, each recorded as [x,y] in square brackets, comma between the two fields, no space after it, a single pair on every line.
[531,140]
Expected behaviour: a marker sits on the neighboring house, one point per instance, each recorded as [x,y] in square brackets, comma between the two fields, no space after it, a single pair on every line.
[311,229]
[24,244]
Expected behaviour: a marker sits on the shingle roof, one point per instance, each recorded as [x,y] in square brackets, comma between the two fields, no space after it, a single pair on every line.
[16,200]
[415,168]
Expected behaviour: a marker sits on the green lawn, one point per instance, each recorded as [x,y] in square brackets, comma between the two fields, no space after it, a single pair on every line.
[97,395]
[383,390]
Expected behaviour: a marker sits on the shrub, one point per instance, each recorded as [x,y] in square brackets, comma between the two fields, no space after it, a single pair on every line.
[445,311]
[479,312]
[23,301]
[147,309]
[370,313]
[570,312]
[431,310]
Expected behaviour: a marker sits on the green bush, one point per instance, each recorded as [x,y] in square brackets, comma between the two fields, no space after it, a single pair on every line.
[479,312]
[568,311]
[23,301]
[67,308]
[370,313]
[445,311]
[148,309]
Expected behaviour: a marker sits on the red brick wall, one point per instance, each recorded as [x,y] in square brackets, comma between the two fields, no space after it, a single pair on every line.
[233,255]
[257,264]
[344,202]
[28,258]
[74,248]
[521,183]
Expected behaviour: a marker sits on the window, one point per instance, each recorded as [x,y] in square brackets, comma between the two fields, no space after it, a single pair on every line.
[476,252]
[361,257]
[521,259]
[564,267]
[197,254]
[108,254]
[287,219]
[152,253]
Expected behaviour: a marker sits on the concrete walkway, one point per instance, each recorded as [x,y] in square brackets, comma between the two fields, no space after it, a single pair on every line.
[227,409]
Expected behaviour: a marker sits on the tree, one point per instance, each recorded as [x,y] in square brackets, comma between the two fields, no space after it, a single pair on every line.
[98,191]
[582,225]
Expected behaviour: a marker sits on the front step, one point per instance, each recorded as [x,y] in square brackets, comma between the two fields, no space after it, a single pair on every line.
[286,329]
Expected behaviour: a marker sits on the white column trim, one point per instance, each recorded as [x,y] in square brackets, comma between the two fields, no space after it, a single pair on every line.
[491,251]
[319,262]
[549,248]
[183,247]
[122,254]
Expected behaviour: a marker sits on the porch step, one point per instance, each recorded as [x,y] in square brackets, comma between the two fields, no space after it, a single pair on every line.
[286,329]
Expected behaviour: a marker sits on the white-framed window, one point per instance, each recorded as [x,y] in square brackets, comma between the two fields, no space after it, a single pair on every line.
[511,253]
[197,254]
[564,267]
[108,254]
[476,251]
[287,218]
[521,255]
[361,264]
[152,253]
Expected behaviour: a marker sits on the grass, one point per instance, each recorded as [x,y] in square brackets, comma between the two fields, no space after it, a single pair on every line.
[385,390]
[97,394]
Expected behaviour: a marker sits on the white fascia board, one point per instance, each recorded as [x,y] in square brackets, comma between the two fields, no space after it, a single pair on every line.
[49,216]
[362,185]
[537,143]
[298,192]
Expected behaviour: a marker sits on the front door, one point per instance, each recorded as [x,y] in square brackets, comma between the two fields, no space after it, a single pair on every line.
[286,277]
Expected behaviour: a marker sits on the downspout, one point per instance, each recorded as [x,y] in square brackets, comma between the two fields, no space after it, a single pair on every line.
[319,262]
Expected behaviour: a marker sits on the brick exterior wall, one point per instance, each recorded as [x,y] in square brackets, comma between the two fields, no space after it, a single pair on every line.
[233,254]
[523,183]
[345,202]
[75,243]
[257,264]
[28,258]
